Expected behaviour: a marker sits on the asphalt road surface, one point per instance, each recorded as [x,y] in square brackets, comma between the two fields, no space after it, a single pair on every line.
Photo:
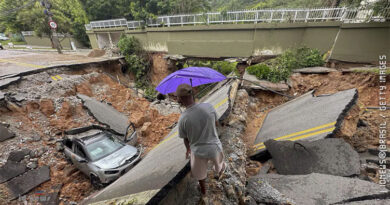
[304,118]
[161,164]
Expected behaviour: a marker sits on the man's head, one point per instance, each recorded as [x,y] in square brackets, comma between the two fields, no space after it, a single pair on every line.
[184,95]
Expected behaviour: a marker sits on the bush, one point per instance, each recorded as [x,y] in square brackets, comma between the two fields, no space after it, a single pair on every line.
[280,68]
[138,64]
[264,72]
[298,58]
[223,67]
[129,45]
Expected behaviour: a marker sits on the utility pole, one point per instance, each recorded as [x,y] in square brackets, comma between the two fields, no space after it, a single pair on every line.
[52,24]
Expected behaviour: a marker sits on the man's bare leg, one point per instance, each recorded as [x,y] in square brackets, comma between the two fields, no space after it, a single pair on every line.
[202,184]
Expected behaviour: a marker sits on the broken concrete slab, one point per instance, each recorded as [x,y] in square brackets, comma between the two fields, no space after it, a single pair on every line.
[10,170]
[22,184]
[164,166]
[7,81]
[314,70]
[251,82]
[5,134]
[261,192]
[106,114]
[327,156]
[316,188]
[2,95]
[18,156]
[307,117]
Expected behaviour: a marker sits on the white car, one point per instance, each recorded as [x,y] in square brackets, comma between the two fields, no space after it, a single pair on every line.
[3,38]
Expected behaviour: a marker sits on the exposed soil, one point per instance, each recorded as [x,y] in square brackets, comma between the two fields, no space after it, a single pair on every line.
[47,114]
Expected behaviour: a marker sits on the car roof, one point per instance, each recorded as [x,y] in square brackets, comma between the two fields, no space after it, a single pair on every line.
[89,136]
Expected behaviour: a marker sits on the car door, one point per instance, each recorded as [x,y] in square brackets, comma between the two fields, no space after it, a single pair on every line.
[79,158]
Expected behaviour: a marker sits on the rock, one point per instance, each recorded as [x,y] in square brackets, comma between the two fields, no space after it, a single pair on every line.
[261,84]
[32,165]
[362,123]
[313,188]
[314,70]
[265,168]
[59,147]
[18,156]
[329,156]
[145,128]
[262,192]
[5,134]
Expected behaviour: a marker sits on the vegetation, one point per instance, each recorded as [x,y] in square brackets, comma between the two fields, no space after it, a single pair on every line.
[138,63]
[280,68]
[223,67]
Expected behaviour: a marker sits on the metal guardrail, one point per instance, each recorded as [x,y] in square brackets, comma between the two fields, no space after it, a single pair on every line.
[27,33]
[350,15]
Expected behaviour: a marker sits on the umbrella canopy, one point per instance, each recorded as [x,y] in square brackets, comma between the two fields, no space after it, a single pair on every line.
[193,76]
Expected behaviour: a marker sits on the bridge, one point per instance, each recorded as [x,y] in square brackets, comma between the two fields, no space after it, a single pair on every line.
[347,34]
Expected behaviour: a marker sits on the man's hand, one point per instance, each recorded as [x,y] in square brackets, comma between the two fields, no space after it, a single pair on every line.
[188,153]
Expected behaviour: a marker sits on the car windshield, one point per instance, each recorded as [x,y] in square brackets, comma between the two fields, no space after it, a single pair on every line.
[103,147]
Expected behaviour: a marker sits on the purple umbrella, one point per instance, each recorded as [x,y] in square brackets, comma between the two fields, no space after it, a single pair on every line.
[193,76]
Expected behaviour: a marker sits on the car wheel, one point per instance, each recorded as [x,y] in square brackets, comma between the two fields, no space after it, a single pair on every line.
[96,183]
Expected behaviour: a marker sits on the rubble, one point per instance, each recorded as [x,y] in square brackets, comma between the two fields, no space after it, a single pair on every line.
[307,117]
[4,82]
[10,170]
[5,134]
[261,84]
[22,184]
[106,114]
[18,156]
[328,156]
[315,188]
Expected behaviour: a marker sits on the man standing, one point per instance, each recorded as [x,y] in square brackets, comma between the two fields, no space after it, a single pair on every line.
[197,126]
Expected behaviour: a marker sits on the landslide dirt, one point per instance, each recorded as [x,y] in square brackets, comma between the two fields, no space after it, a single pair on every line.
[54,113]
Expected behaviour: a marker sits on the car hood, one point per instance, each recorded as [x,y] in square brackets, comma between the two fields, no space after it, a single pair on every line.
[117,158]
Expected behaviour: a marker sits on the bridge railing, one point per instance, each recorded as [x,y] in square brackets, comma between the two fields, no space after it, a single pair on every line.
[350,15]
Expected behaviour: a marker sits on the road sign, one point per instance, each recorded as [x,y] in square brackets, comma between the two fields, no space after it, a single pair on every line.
[53,24]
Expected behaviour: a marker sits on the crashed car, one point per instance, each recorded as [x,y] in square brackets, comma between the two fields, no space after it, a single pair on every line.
[101,156]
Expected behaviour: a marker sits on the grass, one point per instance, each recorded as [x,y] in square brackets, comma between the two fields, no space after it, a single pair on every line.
[14,42]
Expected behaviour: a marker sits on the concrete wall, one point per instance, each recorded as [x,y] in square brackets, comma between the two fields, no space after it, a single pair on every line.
[45,41]
[352,42]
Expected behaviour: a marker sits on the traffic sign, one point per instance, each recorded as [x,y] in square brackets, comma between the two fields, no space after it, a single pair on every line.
[53,24]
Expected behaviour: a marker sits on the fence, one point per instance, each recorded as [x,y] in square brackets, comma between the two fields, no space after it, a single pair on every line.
[349,15]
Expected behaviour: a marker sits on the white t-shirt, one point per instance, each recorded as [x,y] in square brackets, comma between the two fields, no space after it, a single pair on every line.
[197,124]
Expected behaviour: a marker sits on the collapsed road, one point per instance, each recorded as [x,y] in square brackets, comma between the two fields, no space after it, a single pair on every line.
[152,178]
[307,117]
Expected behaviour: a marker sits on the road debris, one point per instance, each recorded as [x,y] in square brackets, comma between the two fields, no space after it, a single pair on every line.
[10,170]
[105,114]
[305,118]
[248,78]
[326,156]
[315,188]
[22,184]
[5,134]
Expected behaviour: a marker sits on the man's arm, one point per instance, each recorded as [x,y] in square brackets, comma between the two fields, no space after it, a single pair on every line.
[187,144]
[183,134]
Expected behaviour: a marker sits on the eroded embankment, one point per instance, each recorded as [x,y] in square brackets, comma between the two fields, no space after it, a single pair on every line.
[39,108]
